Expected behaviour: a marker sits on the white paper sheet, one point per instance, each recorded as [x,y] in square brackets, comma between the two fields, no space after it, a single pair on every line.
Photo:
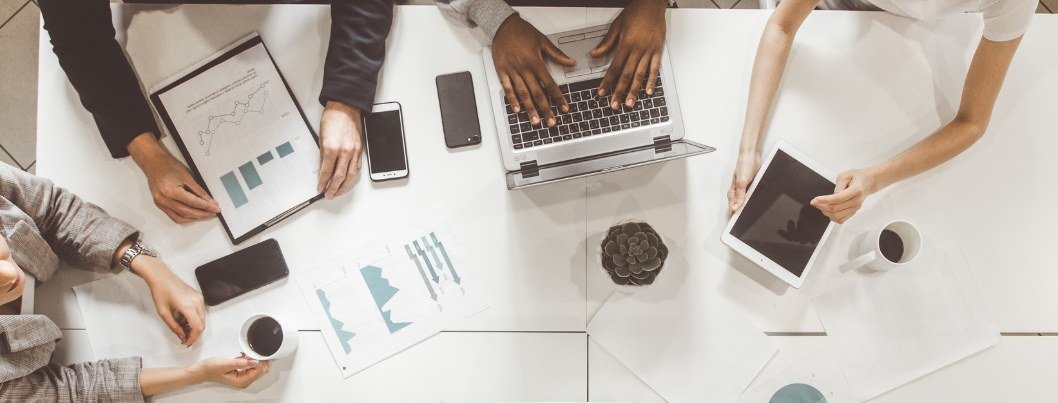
[889,329]
[814,378]
[122,321]
[682,340]
[245,134]
[378,299]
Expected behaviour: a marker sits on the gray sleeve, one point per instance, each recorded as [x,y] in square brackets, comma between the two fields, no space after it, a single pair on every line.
[487,14]
[101,381]
[79,232]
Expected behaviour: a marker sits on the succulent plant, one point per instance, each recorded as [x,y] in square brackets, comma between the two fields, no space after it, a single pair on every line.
[633,254]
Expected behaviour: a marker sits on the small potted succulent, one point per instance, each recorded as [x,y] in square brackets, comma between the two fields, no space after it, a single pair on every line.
[633,254]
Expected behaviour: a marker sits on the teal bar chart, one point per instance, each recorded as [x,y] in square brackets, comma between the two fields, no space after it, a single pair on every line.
[234,189]
[285,149]
[249,174]
[264,158]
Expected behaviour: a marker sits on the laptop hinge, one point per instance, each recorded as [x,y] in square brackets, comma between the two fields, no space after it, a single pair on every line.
[529,169]
[662,144]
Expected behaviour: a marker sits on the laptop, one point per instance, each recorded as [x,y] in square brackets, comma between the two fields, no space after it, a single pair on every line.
[592,138]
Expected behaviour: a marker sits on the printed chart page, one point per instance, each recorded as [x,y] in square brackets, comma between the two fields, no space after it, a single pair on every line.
[378,299]
[245,135]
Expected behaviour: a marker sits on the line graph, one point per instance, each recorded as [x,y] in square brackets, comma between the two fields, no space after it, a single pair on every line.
[226,125]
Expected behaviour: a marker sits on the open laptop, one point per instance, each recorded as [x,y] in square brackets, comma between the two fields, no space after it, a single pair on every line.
[592,138]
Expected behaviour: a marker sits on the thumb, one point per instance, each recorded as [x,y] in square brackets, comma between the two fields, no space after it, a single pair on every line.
[607,43]
[173,325]
[192,186]
[240,364]
[556,54]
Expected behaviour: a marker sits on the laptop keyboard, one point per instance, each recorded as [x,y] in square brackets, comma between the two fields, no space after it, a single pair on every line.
[589,115]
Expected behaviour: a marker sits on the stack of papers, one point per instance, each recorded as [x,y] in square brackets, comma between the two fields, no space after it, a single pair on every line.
[377,299]
[682,340]
[890,329]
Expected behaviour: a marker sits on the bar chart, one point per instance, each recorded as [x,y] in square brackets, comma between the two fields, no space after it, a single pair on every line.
[238,191]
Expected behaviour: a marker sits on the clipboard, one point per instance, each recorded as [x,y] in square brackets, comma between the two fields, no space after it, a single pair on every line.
[246,43]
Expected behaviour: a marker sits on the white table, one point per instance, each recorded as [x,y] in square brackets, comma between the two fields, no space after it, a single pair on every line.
[859,87]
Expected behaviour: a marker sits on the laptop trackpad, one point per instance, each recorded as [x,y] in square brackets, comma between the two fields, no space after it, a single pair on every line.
[579,47]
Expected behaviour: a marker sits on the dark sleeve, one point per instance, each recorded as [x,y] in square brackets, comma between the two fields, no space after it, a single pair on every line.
[356,51]
[82,36]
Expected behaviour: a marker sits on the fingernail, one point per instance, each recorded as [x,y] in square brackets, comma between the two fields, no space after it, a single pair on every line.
[551,122]
[253,363]
[614,105]
[536,120]
[650,91]
[565,109]
[602,92]
[630,102]
[516,109]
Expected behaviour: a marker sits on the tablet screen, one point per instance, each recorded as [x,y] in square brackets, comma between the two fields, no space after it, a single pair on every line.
[778,220]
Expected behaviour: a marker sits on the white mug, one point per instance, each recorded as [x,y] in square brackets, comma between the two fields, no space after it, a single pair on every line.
[871,247]
[288,343]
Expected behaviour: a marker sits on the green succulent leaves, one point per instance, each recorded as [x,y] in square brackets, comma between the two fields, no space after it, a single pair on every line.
[633,254]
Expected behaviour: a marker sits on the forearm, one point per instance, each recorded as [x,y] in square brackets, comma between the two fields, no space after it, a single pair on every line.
[768,66]
[154,381]
[356,51]
[146,151]
[82,36]
[945,144]
[984,80]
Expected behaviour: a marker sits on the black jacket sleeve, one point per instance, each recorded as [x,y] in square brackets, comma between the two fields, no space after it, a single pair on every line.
[356,51]
[82,37]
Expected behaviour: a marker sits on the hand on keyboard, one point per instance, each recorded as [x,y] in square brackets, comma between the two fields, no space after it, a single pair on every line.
[637,38]
[518,51]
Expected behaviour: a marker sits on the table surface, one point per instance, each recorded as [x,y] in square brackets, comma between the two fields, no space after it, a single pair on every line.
[536,249]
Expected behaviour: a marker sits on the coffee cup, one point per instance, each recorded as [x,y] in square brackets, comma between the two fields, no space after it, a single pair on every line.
[266,336]
[893,245]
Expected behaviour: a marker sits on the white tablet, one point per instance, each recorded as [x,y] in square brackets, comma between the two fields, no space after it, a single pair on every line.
[777,228]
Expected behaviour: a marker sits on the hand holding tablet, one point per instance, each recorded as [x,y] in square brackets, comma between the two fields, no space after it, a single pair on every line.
[778,228]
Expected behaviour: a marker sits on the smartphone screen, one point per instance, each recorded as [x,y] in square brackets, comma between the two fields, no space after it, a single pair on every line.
[385,143]
[241,272]
[459,110]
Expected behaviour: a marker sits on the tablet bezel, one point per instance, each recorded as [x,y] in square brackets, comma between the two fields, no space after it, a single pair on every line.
[752,254]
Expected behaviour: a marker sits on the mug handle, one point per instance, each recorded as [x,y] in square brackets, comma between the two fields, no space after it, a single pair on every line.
[860,261]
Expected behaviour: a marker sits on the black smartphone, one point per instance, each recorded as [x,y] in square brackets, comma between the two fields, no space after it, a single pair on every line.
[387,157]
[459,109]
[241,272]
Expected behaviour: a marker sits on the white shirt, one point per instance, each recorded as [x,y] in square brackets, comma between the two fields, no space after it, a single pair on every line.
[1004,19]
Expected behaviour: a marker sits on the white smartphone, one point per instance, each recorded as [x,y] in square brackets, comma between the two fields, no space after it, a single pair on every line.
[387,157]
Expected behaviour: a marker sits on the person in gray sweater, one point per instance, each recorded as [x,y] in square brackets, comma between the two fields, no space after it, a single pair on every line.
[519,51]
[40,224]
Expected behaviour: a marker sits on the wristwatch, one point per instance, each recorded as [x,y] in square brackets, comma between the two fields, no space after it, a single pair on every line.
[136,249]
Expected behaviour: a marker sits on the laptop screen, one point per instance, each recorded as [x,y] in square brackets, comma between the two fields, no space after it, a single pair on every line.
[598,164]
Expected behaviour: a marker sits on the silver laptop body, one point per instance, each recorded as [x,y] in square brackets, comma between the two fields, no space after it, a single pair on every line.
[591,130]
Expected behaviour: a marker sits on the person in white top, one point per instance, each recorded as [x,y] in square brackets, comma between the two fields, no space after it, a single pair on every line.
[1005,22]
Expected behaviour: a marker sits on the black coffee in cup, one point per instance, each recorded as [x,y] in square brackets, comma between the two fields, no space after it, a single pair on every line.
[265,336]
[892,245]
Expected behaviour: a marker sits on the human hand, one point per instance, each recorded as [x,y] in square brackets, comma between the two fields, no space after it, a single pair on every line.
[237,372]
[636,38]
[518,52]
[340,148]
[174,190]
[851,190]
[745,170]
[180,306]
